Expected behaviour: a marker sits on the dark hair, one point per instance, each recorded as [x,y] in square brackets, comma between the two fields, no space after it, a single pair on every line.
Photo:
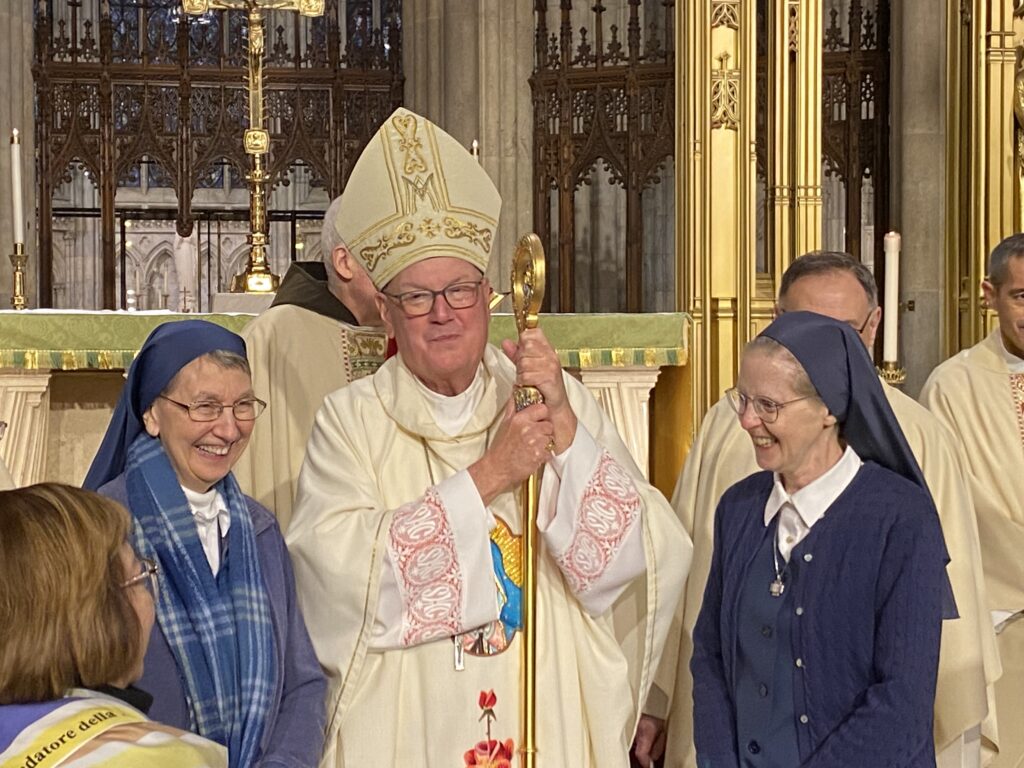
[998,261]
[65,618]
[823,262]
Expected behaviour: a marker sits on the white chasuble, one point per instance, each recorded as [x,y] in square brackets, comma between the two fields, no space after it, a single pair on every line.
[982,402]
[968,662]
[396,578]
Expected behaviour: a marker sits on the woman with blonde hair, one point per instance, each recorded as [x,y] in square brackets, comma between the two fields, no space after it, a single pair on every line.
[76,610]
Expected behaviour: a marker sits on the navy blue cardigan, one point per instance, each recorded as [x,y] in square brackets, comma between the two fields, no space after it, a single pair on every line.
[867,618]
[294,738]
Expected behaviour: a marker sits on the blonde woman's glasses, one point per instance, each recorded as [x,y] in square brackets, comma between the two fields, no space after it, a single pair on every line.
[148,575]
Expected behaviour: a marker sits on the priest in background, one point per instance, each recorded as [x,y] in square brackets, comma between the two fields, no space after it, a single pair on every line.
[321,333]
[836,285]
[979,395]
[406,531]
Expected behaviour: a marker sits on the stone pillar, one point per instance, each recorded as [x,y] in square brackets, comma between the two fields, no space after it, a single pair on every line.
[918,153]
[16,111]
[467,68]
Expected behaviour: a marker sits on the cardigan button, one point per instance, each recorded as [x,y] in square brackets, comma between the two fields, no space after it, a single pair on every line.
[800,663]
[762,691]
[753,747]
[804,719]
[808,557]
[799,610]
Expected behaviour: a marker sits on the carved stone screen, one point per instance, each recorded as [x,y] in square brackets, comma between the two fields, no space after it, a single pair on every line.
[604,131]
[140,115]
[855,127]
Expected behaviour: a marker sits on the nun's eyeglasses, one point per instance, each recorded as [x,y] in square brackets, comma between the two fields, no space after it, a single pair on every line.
[767,410]
[244,410]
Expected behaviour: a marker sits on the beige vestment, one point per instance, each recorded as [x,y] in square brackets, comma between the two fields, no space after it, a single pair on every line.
[298,357]
[373,463]
[968,663]
[982,403]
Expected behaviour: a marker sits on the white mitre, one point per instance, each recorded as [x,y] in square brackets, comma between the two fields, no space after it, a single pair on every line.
[416,193]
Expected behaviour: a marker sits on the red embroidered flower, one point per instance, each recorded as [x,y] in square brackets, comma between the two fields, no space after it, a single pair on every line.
[491,754]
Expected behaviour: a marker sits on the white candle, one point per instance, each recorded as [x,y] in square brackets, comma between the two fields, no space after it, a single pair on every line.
[474,149]
[890,349]
[19,223]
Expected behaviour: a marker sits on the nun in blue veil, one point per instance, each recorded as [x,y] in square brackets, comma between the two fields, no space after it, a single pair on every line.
[817,643]
[229,656]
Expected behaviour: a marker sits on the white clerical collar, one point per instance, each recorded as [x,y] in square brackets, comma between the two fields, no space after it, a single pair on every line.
[452,413]
[816,497]
[1014,363]
[212,521]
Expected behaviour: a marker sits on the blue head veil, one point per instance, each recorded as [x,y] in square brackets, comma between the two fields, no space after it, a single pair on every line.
[838,365]
[169,348]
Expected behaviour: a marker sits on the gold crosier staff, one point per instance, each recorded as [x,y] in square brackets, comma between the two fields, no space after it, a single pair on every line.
[527,295]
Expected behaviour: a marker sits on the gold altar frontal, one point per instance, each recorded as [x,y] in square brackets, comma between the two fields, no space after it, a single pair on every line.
[62,372]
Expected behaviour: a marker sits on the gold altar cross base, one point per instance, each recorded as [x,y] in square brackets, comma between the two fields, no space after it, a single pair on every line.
[257,277]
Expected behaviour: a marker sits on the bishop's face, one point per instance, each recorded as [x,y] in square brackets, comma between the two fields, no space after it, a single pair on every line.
[1008,301]
[443,348]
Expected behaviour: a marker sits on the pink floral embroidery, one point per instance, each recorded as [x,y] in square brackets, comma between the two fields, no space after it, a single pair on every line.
[422,547]
[609,506]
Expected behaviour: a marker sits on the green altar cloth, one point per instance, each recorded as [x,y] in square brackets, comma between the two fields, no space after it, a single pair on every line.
[54,340]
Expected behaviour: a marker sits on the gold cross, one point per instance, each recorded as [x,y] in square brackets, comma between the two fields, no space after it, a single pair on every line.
[305,7]
[257,276]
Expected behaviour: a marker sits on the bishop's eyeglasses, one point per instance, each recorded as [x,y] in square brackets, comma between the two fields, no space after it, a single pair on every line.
[244,410]
[766,409]
[421,301]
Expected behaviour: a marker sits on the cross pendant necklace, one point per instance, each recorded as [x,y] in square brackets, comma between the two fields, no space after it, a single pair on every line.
[777,586]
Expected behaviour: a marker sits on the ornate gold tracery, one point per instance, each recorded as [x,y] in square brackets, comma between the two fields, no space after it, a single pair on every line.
[145,84]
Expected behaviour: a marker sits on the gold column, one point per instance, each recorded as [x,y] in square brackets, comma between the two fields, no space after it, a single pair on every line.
[716,172]
[716,177]
[983,199]
[807,41]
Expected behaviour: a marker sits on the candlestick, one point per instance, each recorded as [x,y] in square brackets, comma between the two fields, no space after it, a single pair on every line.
[890,349]
[19,260]
[474,149]
[19,223]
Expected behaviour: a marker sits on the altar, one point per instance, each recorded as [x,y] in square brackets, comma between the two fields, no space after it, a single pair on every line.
[61,373]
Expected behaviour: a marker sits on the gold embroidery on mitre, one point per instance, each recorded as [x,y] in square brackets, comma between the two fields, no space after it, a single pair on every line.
[410,144]
[372,254]
[511,550]
[478,236]
[421,188]
[429,227]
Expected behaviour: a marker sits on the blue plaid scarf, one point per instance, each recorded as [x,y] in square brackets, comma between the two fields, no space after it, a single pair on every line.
[221,636]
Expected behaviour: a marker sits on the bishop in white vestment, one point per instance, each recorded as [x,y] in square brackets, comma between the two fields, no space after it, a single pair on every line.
[406,525]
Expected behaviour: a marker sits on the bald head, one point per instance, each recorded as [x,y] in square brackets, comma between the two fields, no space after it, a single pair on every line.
[346,278]
[835,285]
